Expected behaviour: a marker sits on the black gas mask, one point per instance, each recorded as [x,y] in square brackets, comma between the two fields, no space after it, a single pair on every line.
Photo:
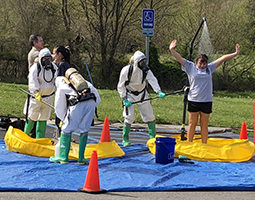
[47,64]
[143,66]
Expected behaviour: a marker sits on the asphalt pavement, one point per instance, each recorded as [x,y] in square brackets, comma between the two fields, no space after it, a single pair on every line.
[138,134]
[176,195]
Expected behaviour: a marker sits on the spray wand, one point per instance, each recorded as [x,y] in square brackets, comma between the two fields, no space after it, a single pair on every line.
[34,97]
[175,92]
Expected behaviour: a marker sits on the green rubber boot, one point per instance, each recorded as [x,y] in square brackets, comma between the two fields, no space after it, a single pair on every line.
[125,141]
[28,127]
[152,130]
[82,146]
[40,129]
[65,143]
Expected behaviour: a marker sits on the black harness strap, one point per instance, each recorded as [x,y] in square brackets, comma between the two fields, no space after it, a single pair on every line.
[28,102]
[144,75]
[130,71]
[39,69]
[43,96]
[82,97]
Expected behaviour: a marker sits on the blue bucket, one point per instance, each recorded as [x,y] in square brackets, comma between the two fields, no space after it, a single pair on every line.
[164,150]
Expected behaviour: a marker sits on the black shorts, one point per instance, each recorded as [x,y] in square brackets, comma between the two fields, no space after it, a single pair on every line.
[205,107]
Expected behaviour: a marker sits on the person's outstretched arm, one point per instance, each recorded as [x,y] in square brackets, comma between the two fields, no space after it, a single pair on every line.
[175,53]
[226,57]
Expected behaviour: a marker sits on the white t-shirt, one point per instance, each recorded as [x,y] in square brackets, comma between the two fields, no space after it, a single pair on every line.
[200,81]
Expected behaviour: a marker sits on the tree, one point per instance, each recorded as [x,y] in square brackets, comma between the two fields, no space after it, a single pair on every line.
[21,18]
[104,33]
[105,22]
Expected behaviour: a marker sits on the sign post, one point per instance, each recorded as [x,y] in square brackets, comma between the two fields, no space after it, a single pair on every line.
[148,28]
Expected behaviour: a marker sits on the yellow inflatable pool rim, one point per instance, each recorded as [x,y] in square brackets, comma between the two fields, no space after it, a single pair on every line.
[18,141]
[216,149]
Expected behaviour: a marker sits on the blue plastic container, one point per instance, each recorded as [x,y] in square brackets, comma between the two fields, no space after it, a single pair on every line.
[164,150]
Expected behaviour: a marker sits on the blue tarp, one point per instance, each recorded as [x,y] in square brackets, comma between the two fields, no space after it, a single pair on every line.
[136,171]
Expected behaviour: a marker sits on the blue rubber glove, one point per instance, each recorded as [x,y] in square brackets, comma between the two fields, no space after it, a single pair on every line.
[161,95]
[127,103]
[184,159]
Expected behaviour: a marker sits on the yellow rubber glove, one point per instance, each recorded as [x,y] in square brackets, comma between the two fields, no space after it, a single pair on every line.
[38,97]
[60,124]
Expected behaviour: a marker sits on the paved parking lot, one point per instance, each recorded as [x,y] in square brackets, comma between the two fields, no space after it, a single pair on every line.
[138,134]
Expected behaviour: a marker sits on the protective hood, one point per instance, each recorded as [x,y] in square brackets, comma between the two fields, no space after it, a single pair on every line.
[44,53]
[138,56]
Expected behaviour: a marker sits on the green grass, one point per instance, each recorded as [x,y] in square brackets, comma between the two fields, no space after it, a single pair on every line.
[230,110]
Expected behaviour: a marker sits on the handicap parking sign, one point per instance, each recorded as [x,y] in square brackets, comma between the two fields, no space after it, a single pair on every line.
[148,19]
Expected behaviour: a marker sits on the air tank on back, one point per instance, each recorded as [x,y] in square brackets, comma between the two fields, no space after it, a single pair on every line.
[78,82]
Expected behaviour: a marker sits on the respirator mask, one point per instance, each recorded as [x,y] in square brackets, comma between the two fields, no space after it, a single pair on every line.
[47,64]
[48,67]
[143,66]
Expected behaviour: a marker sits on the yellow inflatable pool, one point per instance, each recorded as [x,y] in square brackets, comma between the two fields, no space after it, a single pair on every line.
[216,149]
[18,141]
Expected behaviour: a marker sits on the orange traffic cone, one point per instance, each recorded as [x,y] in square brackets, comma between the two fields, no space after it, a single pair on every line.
[243,133]
[105,136]
[92,180]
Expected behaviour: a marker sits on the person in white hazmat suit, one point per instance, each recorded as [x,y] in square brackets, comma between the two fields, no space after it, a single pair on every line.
[76,115]
[41,83]
[131,88]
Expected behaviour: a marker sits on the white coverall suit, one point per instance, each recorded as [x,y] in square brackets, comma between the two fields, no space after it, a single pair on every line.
[76,117]
[43,82]
[136,84]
